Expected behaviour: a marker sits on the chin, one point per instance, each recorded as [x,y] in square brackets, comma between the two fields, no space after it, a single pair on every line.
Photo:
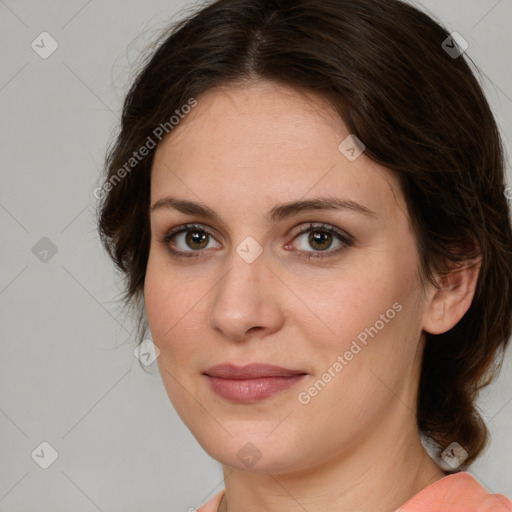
[256,453]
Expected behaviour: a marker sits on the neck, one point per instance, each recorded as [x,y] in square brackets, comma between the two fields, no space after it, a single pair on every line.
[378,476]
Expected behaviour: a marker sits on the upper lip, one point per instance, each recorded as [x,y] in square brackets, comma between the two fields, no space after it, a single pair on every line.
[250,371]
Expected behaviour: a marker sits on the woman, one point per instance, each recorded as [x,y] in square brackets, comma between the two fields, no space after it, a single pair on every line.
[307,201]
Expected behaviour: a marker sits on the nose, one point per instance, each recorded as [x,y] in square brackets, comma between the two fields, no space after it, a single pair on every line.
[246,299]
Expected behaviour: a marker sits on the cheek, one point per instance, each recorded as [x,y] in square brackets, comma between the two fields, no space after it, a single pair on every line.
[367,321]
[164,308]
[161,297]
[156,298]
[346,306]
[172,309]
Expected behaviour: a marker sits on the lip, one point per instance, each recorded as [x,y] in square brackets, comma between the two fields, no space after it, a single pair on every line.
[252,382]
[250,371]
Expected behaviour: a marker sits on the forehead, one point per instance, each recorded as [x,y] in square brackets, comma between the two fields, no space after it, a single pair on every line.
[268,141]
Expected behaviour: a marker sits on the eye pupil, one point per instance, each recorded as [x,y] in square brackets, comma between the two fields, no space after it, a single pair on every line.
[317,237]
[196,237]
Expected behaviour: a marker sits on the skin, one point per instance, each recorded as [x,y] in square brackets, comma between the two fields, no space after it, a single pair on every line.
[355,445]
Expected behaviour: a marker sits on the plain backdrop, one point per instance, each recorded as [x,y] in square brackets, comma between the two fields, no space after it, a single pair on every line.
[68,374]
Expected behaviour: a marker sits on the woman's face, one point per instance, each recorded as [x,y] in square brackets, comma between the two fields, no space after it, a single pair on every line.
[256,284]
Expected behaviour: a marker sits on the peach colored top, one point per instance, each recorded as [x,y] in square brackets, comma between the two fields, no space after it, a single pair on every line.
[458,492]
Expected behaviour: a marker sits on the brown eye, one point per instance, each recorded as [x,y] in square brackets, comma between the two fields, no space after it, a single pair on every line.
[196,239]
[188,240]
[320,239]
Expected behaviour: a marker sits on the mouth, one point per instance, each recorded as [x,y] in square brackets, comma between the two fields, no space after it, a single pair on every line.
[251,383]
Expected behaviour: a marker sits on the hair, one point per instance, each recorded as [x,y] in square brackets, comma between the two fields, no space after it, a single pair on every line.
[419,111]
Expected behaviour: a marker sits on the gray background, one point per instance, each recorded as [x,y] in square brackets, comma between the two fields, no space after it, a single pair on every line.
[68,374]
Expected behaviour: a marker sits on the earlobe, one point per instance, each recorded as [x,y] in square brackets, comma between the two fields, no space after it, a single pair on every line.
[450,302]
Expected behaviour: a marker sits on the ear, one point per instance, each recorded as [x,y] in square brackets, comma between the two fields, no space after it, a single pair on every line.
[448,304]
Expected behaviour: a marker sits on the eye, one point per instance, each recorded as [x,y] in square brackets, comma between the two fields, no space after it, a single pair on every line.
[193,236]
[321,238]
[197,238]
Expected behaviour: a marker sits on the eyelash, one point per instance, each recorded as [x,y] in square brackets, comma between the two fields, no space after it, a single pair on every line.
[309,255]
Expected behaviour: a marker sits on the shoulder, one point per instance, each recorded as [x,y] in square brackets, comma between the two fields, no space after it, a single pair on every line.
[458,492]
[213,504]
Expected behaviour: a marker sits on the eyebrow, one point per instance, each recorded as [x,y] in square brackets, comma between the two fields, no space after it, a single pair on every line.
[279,212]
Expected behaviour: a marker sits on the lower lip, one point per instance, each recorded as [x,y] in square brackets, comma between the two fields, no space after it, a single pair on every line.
[252,390]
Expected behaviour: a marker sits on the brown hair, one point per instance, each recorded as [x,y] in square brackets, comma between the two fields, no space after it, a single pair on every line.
[383,66]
